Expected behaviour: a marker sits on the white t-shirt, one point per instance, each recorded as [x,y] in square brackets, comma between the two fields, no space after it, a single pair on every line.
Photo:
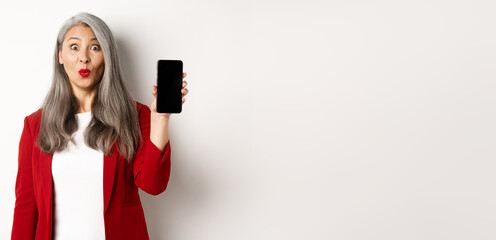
[78,189]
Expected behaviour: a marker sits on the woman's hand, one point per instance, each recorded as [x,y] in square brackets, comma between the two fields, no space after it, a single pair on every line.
[159,125]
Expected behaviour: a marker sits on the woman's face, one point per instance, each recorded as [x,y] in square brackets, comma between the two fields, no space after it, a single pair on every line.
[82,58]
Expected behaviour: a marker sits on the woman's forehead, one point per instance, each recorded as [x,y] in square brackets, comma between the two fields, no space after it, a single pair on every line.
[80,33]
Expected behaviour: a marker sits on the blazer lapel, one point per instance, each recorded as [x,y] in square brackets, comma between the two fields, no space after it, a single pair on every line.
[109,166]
[45,165]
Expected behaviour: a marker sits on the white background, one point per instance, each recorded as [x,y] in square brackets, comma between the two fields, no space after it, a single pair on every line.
[343,120]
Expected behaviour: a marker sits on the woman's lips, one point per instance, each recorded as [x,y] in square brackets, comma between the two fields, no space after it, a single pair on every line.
[84,72]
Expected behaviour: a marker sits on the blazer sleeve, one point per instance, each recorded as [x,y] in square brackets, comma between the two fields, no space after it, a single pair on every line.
[25,210]
[151,167]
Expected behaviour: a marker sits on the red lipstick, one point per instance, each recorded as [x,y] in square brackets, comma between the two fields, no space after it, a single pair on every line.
[84,72]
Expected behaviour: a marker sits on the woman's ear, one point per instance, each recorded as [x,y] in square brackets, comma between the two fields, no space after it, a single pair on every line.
[60,57]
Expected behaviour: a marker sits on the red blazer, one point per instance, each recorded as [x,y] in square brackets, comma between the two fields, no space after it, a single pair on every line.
[123,213]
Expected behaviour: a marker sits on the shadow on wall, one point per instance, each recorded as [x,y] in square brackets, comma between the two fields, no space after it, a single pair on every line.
[130,72]
[184,200]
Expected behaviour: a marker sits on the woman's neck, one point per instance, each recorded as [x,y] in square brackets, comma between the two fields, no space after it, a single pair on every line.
[85,99]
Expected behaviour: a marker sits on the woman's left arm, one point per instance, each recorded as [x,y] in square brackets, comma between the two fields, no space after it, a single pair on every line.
[151,167]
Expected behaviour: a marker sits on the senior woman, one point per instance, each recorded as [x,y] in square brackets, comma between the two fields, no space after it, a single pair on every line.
[84,154]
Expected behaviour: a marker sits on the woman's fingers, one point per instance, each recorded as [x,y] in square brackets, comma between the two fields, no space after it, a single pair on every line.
[184,91]
[184,82]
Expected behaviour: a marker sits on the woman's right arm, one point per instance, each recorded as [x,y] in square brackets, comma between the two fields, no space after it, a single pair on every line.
[25,211]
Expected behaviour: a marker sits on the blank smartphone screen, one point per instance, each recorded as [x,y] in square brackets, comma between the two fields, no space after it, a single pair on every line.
[169,85]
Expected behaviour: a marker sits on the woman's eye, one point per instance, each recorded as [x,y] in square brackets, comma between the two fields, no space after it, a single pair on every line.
[74,47]
[95,47]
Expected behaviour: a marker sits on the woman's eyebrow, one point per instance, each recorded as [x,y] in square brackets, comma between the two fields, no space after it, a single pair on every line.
[79,38]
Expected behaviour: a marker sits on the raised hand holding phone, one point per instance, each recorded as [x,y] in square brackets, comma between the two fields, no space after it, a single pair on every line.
[168,98]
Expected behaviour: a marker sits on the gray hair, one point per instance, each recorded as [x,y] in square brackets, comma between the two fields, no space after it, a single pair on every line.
[115,117]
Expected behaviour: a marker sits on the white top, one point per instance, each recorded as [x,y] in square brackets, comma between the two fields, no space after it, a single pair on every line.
[78,189]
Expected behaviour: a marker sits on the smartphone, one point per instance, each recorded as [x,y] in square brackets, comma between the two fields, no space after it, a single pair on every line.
[169,85]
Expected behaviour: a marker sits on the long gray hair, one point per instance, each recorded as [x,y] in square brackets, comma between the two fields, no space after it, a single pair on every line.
[115,118]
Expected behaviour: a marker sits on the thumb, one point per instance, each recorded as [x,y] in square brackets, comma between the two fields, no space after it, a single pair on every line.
[153,107]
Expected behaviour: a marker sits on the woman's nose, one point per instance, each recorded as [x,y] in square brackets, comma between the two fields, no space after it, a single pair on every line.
[84,57]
